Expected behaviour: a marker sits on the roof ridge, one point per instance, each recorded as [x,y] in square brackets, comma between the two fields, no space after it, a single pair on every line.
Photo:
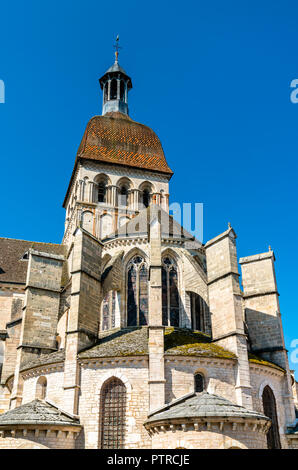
[31,241]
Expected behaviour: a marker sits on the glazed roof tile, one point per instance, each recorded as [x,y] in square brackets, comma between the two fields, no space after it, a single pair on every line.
[116,138]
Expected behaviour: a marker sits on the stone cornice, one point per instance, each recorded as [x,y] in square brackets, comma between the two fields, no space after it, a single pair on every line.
[217,424]
[260,256]
[42,369]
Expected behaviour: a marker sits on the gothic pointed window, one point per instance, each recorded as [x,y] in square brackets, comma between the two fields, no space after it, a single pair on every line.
[170,293]
[137,292]
[198,310]
[269,406]
[113,411]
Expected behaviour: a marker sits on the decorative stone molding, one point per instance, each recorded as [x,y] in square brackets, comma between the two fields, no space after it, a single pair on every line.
[211,424]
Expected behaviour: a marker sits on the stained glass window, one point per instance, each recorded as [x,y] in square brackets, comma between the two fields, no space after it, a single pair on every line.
[269,406]
[113,410]
[170,293]
[137,292]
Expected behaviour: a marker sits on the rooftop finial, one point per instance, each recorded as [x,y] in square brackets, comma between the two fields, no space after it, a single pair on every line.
[117,47]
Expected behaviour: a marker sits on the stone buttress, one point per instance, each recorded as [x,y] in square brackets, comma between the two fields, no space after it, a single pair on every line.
[263,317]
[40,316]
[156,330]
[83,321]
[225,302]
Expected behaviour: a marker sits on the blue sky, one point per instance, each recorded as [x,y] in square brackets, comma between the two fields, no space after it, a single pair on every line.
[211,78]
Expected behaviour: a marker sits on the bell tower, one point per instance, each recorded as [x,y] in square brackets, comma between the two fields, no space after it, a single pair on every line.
[115,85]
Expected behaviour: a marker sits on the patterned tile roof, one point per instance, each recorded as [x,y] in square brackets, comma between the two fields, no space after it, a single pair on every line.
[116,138]
[203,405]
[37,412]
[12,267]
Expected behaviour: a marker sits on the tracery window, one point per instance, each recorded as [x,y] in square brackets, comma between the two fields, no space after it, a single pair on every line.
[170,293]
[269,406]
[113,410]
[137,292]
[198,309]
[109,310]
[199,382]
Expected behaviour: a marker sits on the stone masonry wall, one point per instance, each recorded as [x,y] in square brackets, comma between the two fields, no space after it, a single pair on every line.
[213,439]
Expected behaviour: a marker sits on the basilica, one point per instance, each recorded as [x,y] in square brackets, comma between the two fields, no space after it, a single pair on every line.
[131,333]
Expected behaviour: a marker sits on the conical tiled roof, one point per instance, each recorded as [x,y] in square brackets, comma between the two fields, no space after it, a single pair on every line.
[37,412]
[203,405]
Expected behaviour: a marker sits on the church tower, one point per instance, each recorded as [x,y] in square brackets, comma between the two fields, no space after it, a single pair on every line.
[120,166]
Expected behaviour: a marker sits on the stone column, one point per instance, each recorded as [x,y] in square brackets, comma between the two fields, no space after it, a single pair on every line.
[109,89]
[81,190]
[118,89]
[91,186]
[156,329]
[225,302]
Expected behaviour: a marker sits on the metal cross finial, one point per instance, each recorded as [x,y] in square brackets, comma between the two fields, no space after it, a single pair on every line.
[117,47]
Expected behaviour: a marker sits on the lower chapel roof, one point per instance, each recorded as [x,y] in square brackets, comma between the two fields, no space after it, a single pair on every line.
[13,268]
[202,405]
[134,342]
[37,412]
[138,226]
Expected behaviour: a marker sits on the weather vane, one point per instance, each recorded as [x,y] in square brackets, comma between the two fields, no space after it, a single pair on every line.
[117,47]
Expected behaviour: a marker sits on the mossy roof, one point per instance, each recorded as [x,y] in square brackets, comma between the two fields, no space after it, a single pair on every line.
[181,341]
[134,341]
[258,360]
[44,359]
